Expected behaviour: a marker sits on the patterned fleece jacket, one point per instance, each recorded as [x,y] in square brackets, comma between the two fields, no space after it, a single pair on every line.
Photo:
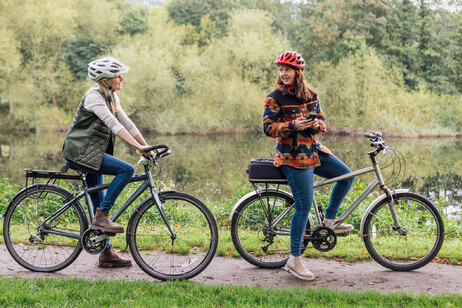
[294,148]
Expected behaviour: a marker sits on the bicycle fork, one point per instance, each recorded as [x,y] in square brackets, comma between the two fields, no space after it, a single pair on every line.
[392,200]
[155,196]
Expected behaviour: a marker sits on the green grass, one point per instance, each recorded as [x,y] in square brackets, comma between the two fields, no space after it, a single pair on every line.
[50,292]
[350,248]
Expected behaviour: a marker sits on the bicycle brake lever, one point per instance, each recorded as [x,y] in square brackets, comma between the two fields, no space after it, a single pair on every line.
[142,160]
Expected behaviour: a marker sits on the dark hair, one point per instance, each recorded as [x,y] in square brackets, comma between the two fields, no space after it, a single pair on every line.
[302,89]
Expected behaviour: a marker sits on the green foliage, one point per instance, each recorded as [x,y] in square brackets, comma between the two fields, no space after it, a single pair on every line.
[362,91]
[80,52]
[186,89]
[191,12]
[134,21]
[201,66]
[7,192]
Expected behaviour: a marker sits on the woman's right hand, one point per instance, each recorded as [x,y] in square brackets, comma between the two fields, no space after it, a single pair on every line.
[302,123]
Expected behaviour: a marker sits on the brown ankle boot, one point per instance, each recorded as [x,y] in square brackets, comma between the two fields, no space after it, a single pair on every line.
[108,258]
[101,222]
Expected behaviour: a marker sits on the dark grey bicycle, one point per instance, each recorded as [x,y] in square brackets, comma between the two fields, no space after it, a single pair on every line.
[171,235]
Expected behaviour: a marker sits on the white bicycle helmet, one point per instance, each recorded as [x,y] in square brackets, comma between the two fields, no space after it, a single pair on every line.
[107,67]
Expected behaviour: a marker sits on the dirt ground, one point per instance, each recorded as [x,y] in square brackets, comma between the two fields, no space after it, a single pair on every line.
[332,274]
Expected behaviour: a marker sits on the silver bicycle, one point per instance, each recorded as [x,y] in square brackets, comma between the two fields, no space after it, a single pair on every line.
[401,230]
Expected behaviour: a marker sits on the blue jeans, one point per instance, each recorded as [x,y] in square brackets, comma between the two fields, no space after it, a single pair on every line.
[301,184]
[111,166]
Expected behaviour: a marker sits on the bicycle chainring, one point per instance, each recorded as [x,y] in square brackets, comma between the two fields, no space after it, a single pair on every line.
[324,239]
[94,241]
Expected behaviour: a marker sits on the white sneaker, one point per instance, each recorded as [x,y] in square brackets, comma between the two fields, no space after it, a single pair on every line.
[340,228]
[295,266]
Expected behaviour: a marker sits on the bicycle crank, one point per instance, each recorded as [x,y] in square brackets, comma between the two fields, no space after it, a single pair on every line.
[94,241]
[323,239]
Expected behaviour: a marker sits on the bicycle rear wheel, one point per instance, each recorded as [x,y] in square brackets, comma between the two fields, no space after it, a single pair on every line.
[410,247]
[33,243]
[182,256]
[255,236]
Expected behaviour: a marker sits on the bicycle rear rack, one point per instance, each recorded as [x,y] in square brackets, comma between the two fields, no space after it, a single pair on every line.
[50,175]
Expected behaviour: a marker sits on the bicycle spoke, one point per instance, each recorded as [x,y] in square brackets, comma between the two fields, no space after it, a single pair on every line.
[257,240]
[414,243]
[34,247]
[181,255]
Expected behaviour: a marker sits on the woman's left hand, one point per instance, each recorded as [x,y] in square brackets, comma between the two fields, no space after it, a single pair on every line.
[314,124]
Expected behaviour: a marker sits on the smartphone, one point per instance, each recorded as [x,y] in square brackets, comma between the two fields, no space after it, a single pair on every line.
[312,116]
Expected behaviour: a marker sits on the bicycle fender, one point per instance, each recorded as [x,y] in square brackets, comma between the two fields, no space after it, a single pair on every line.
[253,193]
[380,198]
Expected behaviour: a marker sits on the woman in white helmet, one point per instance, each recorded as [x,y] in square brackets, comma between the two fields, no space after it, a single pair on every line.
[89,145]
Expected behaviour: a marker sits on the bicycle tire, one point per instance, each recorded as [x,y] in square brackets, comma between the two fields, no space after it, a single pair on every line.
[422,241]
[43,251]
[156,253]
[251,237]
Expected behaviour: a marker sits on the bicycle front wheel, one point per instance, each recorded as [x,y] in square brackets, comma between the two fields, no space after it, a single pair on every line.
[181,255]
[412,244]
[257,236]
[37,243]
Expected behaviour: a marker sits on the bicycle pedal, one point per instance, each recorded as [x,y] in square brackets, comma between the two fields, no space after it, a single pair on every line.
[102,231]
[109,233]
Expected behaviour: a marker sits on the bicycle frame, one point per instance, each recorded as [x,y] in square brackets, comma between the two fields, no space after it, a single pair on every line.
[376,182]
[148,183]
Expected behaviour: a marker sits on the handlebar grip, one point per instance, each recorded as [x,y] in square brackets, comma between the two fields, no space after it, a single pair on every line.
[161,150]
[164,148]
[377,144]
[367,135]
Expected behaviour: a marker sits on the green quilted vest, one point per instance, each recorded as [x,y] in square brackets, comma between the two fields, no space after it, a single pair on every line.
[88,137]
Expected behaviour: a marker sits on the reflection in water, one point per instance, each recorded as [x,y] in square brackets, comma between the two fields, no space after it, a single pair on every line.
[444,187]
[214,167]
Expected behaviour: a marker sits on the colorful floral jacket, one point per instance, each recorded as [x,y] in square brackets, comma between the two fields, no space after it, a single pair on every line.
[294,148]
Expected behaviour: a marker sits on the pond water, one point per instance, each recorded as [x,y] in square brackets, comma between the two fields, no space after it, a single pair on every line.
[212,168]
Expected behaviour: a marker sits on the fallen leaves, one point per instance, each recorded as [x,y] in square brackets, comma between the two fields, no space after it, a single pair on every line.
[442,260]
[341,260]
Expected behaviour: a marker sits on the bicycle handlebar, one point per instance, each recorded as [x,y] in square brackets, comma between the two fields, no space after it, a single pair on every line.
[377,142]
[160,149]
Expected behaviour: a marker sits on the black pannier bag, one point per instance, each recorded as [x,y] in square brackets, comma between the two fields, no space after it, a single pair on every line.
[262,170]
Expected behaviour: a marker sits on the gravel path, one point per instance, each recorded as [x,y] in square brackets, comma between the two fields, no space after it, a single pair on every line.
[336,275]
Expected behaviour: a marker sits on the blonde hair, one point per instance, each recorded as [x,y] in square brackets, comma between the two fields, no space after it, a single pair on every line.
[110,96]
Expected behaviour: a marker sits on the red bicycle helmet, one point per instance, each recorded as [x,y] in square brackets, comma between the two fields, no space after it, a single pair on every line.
[291,58]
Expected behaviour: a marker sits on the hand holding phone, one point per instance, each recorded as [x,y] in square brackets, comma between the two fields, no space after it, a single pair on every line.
[312,116]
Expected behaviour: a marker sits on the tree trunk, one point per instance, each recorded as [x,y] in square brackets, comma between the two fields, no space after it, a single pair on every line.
[11,149]
[10,102]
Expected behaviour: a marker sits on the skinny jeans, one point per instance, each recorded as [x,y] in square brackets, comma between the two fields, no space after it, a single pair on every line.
[110,166]
[301,184]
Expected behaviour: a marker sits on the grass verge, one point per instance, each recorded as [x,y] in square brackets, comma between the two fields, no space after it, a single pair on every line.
[49,292]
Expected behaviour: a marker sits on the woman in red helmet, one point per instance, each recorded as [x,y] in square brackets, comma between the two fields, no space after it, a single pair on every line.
[294,116]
